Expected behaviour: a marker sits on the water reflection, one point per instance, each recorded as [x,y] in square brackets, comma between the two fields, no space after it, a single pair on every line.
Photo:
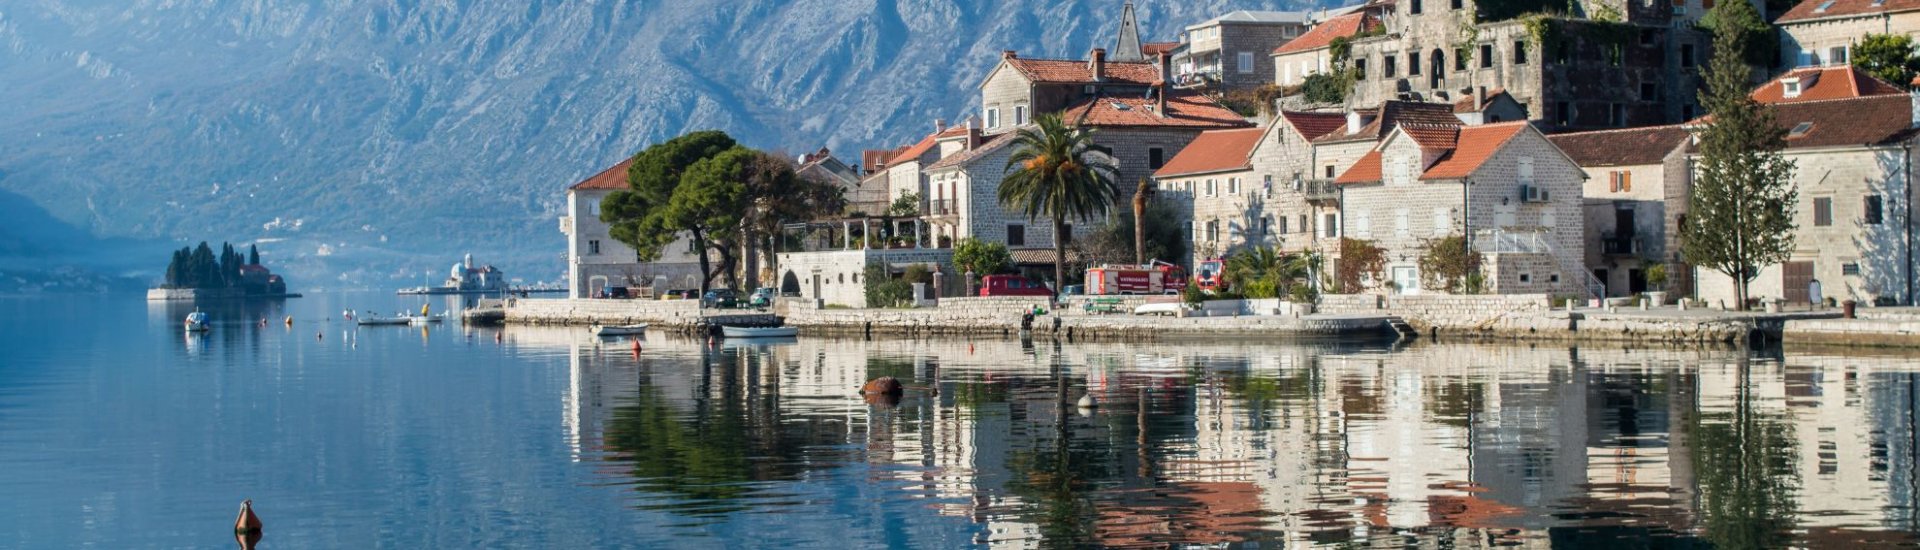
[1210,444]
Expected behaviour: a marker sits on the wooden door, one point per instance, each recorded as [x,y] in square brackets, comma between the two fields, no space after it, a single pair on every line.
[1794,280]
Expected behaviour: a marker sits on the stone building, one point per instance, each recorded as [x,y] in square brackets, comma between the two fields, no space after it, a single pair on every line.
[1505,187]
[1639,69]
[596,261]
[903,171]
[1637,186]
[1231,52]
[1253,186]
[1823,32]
[1312,52]
[967,187]
[1852,139]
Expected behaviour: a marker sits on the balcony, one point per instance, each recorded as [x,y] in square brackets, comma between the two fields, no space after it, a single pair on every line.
[1615,244]
[941,207]
[1320,190]
[1510,241]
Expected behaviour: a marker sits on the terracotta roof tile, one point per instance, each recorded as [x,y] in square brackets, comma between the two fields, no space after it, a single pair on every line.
[1476,145]
[1819,83]
[1810,9]
[1187,110]
[1869,120]
[1433,136]
[913,152]
[1152,49]
[1323,34]
[1624,147]
[1313,125]
[611,178]
[1068,71]
[875,160]
[1468,105]
[988,144]
[1391,114]
[1365,170]
[1214,151]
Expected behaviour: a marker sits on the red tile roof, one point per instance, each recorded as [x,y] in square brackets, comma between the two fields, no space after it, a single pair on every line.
[1391,114]
[1069,71]
[611,178]
[1323,34]
[1185,110]
[1468,105]
[1313,125]
[875,160]
[988,144]
[1152,49]
[1441,137]
[913,152]
[1871,120]
[1365,170]
[1810,9]
[1817,83]
[1623,147]
[1476,145]
[1214,151]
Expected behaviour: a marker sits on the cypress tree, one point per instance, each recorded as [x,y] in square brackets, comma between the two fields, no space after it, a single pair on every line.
[253,254]
[1740,214]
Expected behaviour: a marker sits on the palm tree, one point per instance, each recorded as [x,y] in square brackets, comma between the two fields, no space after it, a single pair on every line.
[1051,174]
[1141,193]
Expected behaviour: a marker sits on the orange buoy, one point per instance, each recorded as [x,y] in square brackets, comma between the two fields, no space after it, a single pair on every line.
[636,346]
[289,320]
[247,522]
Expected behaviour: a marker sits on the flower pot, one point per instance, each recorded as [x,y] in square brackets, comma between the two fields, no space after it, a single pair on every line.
[1657,299]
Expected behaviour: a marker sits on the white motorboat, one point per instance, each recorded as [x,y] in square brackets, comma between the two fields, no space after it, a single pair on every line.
[620,330]
[197,322]
[1160,308]
[375,320]
[424,319]
[767,332]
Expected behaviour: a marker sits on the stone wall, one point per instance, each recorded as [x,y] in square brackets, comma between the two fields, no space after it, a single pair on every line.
[953,316]
[595,259]
[1821,36]
[577,312]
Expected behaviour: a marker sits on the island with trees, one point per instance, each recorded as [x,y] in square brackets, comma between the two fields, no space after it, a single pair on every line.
[199,273]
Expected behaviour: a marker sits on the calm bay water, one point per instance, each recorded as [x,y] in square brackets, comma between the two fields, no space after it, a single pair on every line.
[118,430]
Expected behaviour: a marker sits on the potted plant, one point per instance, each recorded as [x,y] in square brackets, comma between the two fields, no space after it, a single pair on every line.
[1657,285]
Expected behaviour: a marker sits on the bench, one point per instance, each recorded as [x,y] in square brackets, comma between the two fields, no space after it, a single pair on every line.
[1105,305]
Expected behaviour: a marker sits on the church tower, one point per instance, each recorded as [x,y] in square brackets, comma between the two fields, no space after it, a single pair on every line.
[1128,50]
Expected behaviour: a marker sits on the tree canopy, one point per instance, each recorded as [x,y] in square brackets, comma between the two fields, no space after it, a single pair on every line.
[1055,174]
[1888,57]
[981,257]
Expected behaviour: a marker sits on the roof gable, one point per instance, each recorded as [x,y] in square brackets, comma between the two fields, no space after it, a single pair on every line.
[1476,144]
[1184,110]
[1073,71]
[1214,151]
[1323,34]
[1314,125]
[612,178]
[1622,147]
[1817,83]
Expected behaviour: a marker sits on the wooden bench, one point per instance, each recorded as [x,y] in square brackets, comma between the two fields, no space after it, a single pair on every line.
[1105,305]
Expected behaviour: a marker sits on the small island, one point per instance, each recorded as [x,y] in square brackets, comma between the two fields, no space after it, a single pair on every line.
[196,273]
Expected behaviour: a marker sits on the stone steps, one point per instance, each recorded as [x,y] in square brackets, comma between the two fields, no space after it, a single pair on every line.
[1400,327]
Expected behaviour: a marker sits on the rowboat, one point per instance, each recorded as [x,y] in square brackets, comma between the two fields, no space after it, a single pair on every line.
[620,330]
[768,332]
[197,322]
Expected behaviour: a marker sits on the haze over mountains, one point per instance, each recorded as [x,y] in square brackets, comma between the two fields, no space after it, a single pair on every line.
[371,143]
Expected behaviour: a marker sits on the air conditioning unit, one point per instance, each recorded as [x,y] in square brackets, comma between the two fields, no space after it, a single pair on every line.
[1533,193]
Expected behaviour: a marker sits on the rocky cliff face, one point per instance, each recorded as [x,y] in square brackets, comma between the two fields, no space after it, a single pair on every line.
[375,139]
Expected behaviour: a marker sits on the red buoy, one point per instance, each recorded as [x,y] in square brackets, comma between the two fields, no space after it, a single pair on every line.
[247,522]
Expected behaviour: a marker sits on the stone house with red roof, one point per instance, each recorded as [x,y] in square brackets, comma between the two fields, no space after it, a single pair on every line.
[1823,32]
[1505,187]
[596,261]
[1638,181]
[1253,186]
[1852,139]
[1230,52]
[1312,52]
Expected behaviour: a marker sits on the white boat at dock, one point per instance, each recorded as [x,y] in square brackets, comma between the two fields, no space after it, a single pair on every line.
[620,330]
[197,322]
[759,332]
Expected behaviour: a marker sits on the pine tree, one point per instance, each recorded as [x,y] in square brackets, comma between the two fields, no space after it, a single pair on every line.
[1740,214]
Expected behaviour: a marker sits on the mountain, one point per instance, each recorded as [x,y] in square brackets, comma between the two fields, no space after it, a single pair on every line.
[371,141]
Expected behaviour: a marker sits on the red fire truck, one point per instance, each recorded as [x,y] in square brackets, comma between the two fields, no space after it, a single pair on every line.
[1155,278]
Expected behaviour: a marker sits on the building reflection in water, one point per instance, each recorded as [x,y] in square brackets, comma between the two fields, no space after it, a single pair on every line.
[1434,445]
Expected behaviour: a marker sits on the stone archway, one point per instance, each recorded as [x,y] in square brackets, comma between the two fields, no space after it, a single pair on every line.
[790,284]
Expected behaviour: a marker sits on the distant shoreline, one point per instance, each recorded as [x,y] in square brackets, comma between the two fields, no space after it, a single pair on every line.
[189,294]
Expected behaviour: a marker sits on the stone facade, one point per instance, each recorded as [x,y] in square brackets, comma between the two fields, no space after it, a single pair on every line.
[973,186]
[1593,75]
[1647,189]
[595,260]
[1529,246]
[1830,41]
[1277,200]
[1852,258]
[837,278]
[1235,51]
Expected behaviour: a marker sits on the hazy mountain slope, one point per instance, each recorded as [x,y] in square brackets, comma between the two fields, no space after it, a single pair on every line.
[392,135]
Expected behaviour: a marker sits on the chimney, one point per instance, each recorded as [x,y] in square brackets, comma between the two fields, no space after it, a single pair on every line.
[973,133]
[1009,54]
[1354,122]
[1479,97]
[1166,81]
[939,125]
[1097,64]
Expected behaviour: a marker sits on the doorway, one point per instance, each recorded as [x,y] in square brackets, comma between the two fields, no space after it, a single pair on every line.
[1794,279]
[1406,280]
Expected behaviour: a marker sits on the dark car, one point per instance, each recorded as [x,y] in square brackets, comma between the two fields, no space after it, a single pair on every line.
[615,292]
[721,298]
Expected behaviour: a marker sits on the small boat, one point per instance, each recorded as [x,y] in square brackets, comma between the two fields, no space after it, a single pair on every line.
[424,319]
[768,332]
[375,320]
[620,330]
[197,322]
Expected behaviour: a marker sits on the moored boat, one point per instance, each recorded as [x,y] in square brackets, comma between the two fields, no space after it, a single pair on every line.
[759,332]
[376,320]
[620,330]
[197,322]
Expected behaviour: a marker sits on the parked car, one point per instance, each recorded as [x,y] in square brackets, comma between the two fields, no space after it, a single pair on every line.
[615,293]
[1012,285]
[721,298]
[1073,290]
[762,297]
[678,294]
